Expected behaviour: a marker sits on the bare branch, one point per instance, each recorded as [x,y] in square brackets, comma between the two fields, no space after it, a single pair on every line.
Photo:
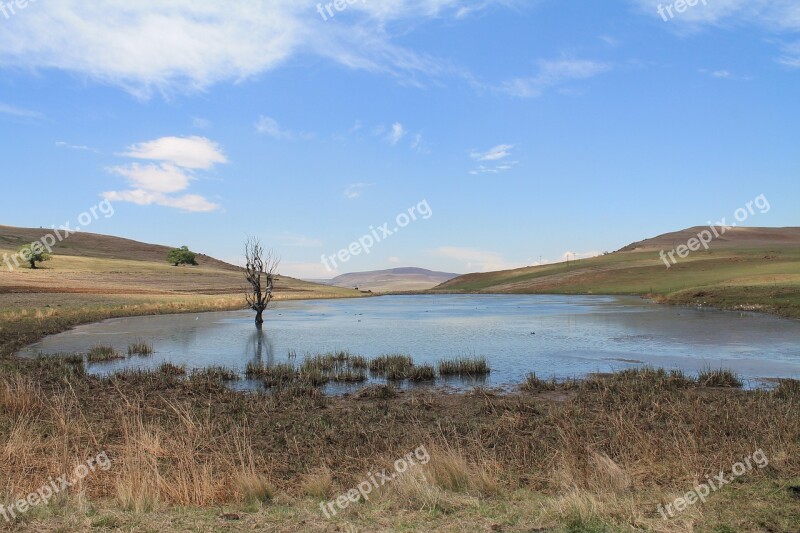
[260,272]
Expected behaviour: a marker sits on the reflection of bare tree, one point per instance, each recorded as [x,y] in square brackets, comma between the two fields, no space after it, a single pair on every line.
[259,344]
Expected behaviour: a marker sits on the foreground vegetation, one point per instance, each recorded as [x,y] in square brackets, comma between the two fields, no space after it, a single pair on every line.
[188,453]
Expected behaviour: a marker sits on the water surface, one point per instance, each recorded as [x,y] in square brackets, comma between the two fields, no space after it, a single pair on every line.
[561,336]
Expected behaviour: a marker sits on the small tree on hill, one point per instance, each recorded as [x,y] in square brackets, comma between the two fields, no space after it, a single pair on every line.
[182,256]
[34,253]
[261,273]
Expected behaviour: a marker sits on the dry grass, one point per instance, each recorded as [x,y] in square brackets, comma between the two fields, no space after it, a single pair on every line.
[319,484]
[607,452]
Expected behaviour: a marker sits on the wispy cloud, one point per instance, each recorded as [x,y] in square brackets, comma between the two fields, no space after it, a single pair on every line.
[80,147]
[176,159]
[396,134]
[790,55]
[501,151]
[354,190]
[554,74]
[496,156]
[13,111]
[152,46]
[475,260]
[269,126]
[776,16]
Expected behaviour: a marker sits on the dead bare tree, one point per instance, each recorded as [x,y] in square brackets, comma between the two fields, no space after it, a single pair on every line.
[261,273]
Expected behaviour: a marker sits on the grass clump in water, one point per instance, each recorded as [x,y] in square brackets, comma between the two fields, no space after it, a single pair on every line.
[140,347]
[422,373]
[216,373]
[464,367]
[395,363]
[349,375]
[278,375]
[102,354]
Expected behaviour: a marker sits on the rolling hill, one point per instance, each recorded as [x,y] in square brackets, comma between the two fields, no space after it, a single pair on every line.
[88,269]
[395,279]
[746,268]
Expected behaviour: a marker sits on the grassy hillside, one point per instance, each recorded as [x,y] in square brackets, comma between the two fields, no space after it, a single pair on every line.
[92,277]
[396,279]
[748,268]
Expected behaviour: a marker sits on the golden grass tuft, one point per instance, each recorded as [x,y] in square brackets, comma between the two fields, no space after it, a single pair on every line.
[319,484]
[254,488]
[19,395]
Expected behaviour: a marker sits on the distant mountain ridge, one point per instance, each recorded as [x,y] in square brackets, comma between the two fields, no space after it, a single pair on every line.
[394,279]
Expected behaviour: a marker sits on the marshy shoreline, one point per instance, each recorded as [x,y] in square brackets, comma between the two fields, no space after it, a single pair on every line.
[598,453]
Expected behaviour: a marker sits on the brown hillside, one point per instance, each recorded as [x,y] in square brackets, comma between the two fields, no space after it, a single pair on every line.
[100,246]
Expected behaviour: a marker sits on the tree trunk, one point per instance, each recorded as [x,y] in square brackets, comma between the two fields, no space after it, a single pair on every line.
[259,319]
[33,264]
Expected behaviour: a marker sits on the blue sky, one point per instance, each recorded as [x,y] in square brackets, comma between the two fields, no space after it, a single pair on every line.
[530,129]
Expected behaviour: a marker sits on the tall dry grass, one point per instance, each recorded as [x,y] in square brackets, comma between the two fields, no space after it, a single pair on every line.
[177,441]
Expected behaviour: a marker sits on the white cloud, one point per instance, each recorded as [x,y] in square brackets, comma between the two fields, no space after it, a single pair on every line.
[500,151]
[151,46]
[354,190]
[553,74]
[156,183]
[396,134]
[419,145]
[497,169]
[394,260]
[13,111]
[572,256]
[269,126]
[790,56]
[186,152]
[777,15]
[495,155]
[164,178]
[63,144]
[475,260]
[192,203]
